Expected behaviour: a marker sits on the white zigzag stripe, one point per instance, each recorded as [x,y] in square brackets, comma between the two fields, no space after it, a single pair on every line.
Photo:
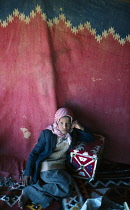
[108,183]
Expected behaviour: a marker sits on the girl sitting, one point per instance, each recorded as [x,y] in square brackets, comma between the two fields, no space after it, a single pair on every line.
[46,176]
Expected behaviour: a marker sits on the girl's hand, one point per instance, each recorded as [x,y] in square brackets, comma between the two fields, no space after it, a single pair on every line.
[75,124]
[26,180]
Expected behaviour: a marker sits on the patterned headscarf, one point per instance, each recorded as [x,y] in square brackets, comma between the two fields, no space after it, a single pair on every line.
[62,112]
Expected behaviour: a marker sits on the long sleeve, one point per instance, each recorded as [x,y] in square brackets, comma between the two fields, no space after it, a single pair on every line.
[85,136]
[42,150]
[39,147]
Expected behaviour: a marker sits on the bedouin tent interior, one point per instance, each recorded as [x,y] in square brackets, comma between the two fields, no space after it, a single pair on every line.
[63,53]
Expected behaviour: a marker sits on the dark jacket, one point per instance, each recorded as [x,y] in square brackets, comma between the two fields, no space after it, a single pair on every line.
[45,146]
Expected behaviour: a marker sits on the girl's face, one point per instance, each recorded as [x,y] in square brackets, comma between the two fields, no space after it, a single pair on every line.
[64,124]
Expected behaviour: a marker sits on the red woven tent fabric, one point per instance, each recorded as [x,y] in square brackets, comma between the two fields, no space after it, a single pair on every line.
[49,63]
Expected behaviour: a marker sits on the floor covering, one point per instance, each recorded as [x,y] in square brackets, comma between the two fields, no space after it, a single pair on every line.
[112,181]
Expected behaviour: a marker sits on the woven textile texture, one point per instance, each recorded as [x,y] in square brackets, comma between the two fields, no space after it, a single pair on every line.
[63,53]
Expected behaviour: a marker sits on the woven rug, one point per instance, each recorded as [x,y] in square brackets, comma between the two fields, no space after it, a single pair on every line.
[112,181]
[10,192]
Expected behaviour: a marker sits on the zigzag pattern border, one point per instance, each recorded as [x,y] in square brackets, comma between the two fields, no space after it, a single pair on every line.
[56,20]
[109,183]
